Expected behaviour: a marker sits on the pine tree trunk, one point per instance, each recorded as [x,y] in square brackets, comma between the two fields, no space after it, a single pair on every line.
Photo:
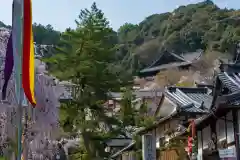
[87,144]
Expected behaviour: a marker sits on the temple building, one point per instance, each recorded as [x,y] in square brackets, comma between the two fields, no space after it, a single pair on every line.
[169,60]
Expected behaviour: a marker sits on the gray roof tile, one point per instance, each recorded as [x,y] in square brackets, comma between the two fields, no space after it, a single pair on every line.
[203,98]
[192,55]
[230,80]
[232,99]
[139,94]
[164,66]
[190,99]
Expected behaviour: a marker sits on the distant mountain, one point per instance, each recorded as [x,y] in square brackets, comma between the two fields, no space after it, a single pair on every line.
[4,26]
[188,28]
[42,34]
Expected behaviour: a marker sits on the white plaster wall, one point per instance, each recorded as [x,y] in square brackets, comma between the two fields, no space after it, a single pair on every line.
[159,134]
[230,129]
[220,129]
[200,148]
[206,133]
[167,108]
[152,105]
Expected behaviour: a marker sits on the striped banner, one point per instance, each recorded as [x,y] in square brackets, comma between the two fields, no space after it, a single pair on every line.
[28,54]
[17,49]
[8,69]
[17,57]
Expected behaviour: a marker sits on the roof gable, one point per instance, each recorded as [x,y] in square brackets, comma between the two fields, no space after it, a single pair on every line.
[165,61]
[167,107]
[166,58]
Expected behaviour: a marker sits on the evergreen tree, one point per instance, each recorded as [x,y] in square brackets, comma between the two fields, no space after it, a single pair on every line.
[85,59]
[127,110]
[134,115]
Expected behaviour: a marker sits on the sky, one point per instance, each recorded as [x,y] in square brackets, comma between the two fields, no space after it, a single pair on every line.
[62,13]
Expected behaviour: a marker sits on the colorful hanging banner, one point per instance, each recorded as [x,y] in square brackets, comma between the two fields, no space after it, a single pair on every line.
[17,9]
[17,49]
[8,68]
[28,54]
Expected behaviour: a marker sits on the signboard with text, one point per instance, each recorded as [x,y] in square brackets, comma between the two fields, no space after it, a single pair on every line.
[227,153]
[149,147]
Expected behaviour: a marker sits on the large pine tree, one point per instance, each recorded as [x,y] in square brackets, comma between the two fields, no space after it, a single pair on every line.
[86,58]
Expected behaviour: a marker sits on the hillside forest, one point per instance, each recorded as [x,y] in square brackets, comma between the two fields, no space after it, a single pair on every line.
[188,28]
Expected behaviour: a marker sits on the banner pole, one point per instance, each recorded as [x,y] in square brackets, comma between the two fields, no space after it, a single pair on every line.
[25,133]
[20,113]
[21,92]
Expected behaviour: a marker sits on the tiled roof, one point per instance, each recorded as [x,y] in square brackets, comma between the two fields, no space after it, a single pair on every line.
[164,66]
[139,94]
[124,149]
[166,58]
[192,55]
[230,80]
[204,85]
[191,108]
[173,60]
[118,142]
[190,99]
[201,97]
[232,99]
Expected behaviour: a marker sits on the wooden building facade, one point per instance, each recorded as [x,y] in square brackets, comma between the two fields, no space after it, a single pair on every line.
[179,105]
[218,132]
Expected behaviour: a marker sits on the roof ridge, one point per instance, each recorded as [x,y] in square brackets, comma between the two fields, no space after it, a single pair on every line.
[188,89]
[156,60]
[179,57]
[173,54]
[170,96]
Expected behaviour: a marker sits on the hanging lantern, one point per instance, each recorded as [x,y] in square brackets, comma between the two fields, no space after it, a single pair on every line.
[190,143]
